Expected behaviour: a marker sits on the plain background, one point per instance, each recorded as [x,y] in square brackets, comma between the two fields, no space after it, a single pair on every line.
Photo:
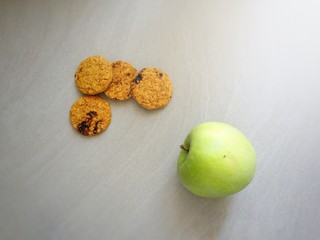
[251,63]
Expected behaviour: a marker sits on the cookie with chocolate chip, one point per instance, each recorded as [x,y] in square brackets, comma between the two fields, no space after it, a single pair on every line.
[90,115]
[120,86]
[152,88]
[93,75]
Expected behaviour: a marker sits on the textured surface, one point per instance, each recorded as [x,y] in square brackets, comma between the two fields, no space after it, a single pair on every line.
[251,63]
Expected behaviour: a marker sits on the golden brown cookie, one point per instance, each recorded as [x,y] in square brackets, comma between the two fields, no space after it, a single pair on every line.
[120,87]
[90,115]
[94,74]
[152,88]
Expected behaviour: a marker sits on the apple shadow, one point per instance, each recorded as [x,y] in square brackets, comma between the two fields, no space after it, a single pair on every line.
[193,217]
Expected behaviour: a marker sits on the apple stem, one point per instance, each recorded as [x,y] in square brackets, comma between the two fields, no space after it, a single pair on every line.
[184,148]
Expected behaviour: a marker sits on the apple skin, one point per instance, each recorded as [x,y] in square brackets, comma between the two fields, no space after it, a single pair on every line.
[216,160]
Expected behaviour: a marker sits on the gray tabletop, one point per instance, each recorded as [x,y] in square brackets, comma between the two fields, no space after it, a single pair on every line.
[253,64]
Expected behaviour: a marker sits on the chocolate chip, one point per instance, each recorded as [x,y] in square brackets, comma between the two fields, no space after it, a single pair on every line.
[96,127]
[92,114]
[138,78]
[83,128]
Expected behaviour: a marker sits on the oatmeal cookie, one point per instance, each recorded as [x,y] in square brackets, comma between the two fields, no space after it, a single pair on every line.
[120,86]
[90,115]
[93,75]
[152,88]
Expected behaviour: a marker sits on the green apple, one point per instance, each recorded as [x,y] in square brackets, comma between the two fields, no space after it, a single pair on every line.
[216,160]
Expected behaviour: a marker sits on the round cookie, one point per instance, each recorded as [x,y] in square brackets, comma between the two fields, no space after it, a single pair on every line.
[93,75]
[152,88]
[90,115]
[120,86]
